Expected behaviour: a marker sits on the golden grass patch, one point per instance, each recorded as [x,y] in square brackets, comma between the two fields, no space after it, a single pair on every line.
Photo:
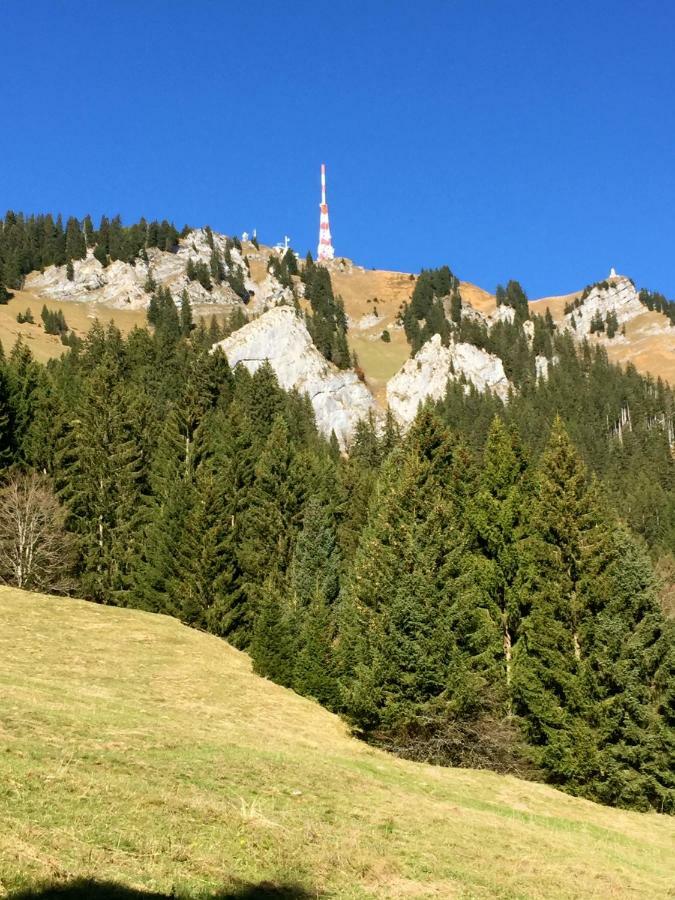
[137,750]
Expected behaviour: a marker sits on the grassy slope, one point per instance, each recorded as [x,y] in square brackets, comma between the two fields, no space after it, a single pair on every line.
[79,317]
[138,750]
[649,342]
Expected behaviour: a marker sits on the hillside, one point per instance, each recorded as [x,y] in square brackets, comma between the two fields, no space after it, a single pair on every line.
[143,752]
[649,341]
[222,277]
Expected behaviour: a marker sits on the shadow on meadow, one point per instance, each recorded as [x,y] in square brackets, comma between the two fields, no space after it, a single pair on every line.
[86,889]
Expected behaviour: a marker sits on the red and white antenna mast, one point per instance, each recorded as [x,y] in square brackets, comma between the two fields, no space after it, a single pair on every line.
[325,250]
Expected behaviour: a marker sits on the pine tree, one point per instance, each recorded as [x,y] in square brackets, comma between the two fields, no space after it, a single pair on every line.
[314,671]
[100,470]
[555,558]
[270,644]
[186,324]
[270,521]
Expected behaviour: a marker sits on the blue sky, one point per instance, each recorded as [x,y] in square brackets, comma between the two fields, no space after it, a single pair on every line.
[507,139]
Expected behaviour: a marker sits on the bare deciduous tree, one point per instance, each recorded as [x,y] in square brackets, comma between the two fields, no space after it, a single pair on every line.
[36,552]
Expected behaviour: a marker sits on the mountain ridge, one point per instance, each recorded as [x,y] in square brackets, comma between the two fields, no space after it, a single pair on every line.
[373,301]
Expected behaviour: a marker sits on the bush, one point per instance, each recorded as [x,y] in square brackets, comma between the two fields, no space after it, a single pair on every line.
[54,321]
[25,318]
[385,336]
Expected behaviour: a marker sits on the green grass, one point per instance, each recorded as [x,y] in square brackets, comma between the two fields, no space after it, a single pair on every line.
[138,751]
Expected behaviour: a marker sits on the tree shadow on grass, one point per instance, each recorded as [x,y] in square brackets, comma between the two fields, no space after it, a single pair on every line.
[87,889]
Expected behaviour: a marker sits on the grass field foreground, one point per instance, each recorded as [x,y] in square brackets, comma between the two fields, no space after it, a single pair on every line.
[137,750]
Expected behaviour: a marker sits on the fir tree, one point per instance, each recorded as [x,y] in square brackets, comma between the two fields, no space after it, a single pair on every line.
[272,517]
[567,537]
[314,671]
[270,644]
[186,324]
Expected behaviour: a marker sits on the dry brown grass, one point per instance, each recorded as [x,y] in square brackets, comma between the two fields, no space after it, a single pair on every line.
[138,750]
[649,344]
[79,317]
[481,300]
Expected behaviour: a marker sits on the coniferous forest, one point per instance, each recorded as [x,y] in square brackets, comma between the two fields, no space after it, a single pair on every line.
[481,591]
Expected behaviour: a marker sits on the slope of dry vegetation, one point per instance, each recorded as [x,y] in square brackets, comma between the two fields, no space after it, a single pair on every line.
[140,751]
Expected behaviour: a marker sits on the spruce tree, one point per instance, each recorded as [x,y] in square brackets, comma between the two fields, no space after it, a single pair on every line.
[6,418]
[186,324]
[101,465]
[566,580]
[271,519]
[394,645]
[314,669]
[495,516]
[271,639]
[315,565]
[626,648]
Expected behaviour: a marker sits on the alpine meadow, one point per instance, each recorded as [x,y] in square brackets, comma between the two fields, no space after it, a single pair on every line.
[345,571]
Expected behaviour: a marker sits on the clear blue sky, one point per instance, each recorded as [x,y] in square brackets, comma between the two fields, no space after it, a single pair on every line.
[528,140]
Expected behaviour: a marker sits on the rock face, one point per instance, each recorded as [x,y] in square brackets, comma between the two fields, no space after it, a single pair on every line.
[503,314]
[122,285]
[617,295]
[339,399]
[427,373]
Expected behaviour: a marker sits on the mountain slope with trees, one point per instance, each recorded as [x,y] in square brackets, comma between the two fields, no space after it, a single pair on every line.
[479,592]
[484,586]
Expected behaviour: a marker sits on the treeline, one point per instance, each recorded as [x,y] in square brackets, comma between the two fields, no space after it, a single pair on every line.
[436,308]
[514,296]
[469,594]
[29,243]
[425,315]
[327,321]
[655,301]
[220,268]
[285,267]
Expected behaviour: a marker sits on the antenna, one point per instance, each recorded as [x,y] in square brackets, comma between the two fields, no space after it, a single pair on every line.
[325,250]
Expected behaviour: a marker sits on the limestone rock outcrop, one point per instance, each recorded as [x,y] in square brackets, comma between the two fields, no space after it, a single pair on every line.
[617,294]
[122,285]
[427,374]
[279,336]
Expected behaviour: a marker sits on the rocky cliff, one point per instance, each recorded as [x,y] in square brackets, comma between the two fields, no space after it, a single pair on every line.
[427,374]
[122,285]
[617,294]
[280,337]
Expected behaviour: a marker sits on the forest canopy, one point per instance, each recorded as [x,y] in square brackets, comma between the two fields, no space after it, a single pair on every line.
[479,591]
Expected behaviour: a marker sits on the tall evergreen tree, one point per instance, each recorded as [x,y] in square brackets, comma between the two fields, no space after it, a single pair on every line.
[186,324]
